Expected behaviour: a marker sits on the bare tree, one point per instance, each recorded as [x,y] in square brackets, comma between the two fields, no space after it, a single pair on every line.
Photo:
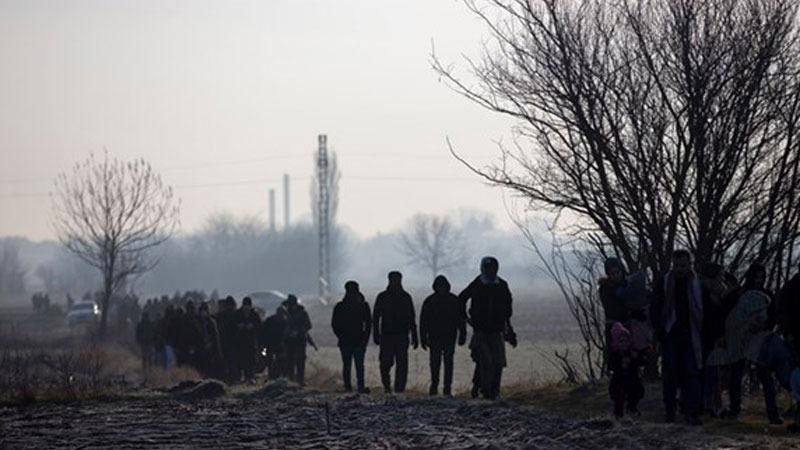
[433,242]
[653,123]
[112,214]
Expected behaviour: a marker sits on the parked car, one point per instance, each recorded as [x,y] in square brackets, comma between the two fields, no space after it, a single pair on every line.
[83,313]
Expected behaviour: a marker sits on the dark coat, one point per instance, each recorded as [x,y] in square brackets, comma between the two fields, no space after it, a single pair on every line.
[297,325]
[352,321]
[789,311]
[273,332]
[613,307]
[248,325]
[146,333]
[441,320]
[489,305]
[394,314]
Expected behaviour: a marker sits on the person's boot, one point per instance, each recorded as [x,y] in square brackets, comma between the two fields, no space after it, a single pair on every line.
[433,391]
[363,390]
[476,390]
[447,392]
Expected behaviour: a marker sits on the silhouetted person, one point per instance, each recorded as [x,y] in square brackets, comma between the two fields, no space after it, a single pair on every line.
[789,312]
[145,337]
[191,336]
[226,324]
[352,325]
[393,320]
[440,324]
[715,312]
[754,282]
[678,319]
[209,348]
[489,314]
[625,387]
[247,325]
[297,326]
[273,330]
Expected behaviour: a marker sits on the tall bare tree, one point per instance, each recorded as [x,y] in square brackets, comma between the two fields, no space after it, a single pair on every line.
[433,242]
[652,124]
[112,214]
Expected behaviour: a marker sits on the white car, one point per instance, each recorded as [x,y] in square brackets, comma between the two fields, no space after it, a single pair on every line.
[83,313]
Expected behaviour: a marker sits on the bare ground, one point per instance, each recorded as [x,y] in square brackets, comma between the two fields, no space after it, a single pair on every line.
[297,419]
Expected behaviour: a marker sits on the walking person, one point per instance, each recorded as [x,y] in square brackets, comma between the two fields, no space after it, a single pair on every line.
[298,325]
[352,325]
[678,321]
[489,312]
[393,320]
[440,326]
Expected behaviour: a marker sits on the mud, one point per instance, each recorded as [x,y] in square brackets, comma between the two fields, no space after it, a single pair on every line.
[311,420]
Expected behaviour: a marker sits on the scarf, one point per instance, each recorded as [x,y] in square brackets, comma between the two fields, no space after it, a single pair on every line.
[669,315]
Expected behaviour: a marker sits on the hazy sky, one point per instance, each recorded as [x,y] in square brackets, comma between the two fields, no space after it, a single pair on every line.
[224,97]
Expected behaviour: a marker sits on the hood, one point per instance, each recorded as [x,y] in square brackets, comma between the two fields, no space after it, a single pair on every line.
[441,285]
[489,268]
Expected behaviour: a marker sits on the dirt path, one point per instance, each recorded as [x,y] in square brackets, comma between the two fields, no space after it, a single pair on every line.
[297,420]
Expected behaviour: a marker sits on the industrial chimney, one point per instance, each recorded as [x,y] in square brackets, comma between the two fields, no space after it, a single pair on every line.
[286,210]
[272,210]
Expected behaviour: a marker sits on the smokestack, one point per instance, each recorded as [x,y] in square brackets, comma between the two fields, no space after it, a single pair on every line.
[272,210]
[286,200]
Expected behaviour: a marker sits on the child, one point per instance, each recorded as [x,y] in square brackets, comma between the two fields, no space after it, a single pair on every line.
[624,363]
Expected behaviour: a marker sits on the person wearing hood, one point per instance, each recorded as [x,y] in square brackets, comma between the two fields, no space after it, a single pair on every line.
[678,319]
[297,326]
[489,314]
[352,325]
[273,330]
[761,319]
[440,324]
[393,319]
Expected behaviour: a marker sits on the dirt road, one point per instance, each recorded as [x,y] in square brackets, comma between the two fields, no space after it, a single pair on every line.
[297,419]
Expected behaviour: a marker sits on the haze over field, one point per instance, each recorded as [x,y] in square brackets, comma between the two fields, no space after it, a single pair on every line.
[223,99]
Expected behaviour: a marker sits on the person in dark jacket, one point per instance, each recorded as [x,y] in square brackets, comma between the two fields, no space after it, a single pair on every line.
[226,325]
[625,387]
[146,337]
[789,312]
[352,325]
[273,330]
[440,324]
[678,319]
[489,314]
[393,319]
[247,325]
[714,288]
[298,325]
[209,348]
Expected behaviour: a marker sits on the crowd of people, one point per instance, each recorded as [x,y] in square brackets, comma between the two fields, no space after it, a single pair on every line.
[709,330]
[231,344]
